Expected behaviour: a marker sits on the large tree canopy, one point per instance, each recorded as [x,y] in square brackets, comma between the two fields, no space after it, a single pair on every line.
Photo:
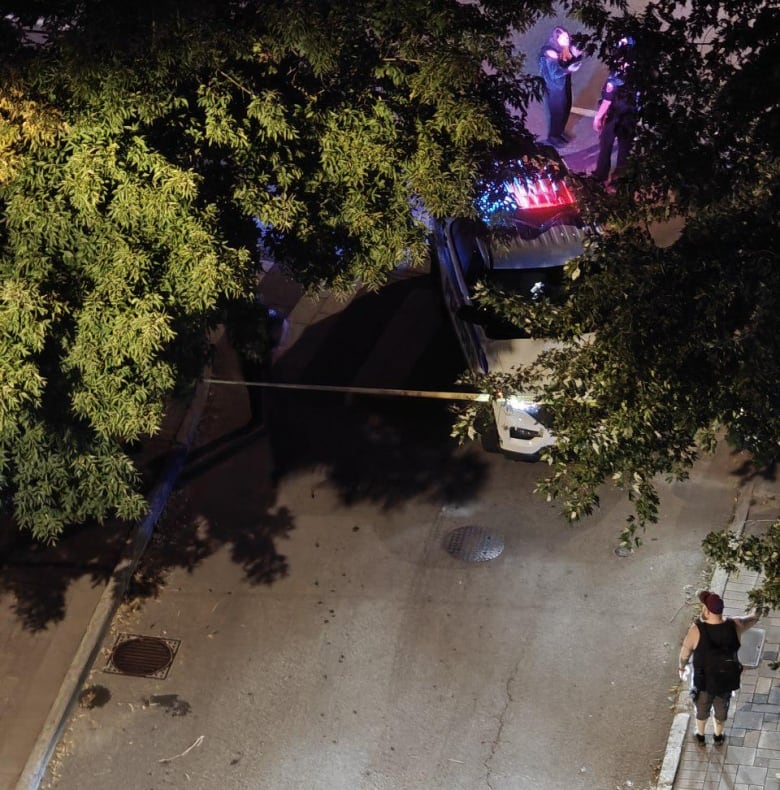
[143,144]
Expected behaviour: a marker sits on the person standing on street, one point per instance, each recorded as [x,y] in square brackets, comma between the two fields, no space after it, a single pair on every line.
[616,115]
[713,640]
[558,60]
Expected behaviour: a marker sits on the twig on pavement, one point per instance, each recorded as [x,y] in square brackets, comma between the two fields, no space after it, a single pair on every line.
[198,742]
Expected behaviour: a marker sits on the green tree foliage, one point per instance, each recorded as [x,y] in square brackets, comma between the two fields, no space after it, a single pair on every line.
[665,346]
[142,144]
[758,553]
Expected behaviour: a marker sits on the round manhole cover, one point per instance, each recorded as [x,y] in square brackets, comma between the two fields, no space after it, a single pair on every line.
[474,544]
[142,655]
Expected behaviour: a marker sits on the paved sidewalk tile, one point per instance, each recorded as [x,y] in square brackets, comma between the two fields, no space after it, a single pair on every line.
[751,757]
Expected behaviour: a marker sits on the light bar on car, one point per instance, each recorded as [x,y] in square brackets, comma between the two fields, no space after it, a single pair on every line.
[543,193]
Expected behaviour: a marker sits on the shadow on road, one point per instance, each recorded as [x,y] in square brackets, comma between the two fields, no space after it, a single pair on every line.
[37,577]
[374,450]
[383,451]
[225,499]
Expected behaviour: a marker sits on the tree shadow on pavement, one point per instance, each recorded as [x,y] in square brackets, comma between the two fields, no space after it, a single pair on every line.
[36,577]
[748,470]
[224,500]
[380,450]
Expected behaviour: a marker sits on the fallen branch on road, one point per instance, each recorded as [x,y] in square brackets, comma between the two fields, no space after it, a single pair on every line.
[198,742]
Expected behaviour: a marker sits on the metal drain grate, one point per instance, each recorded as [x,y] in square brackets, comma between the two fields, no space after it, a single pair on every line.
[142,656]
[474,544]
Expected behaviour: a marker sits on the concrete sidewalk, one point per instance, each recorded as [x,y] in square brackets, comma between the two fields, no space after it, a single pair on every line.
[750,757]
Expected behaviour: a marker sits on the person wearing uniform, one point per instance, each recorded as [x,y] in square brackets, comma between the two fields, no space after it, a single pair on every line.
[616,117]
[558,60]
[711,633]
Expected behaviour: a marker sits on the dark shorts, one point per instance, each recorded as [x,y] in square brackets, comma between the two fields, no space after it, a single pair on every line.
[719,703]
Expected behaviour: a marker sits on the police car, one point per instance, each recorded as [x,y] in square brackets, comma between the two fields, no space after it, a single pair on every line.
[528,228]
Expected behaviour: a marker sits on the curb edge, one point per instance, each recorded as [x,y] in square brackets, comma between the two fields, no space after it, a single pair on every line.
[60,712]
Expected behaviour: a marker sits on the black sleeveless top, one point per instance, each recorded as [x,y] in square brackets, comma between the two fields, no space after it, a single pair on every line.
[722,636]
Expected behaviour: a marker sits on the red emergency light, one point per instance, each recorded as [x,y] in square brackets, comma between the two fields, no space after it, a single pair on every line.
[542,193]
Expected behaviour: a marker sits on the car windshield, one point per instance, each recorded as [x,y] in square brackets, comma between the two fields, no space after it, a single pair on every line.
[530,228]
[551,245]
[527,256]
[546,282]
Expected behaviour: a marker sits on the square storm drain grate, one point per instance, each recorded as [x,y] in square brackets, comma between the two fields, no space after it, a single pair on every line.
[142,656]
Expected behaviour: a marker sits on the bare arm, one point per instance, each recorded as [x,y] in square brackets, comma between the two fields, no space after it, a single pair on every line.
[688,646]
[743,623]
[598,119]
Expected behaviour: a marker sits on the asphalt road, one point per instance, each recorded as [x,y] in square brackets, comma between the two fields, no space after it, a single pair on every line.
[327,638]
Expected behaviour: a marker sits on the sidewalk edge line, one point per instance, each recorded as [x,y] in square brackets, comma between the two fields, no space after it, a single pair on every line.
[60,712]
[674,747]
[676,740]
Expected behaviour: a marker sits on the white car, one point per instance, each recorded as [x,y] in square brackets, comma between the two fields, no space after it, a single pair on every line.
[521,242]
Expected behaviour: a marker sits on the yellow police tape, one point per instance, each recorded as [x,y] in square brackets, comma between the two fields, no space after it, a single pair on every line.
[480,397]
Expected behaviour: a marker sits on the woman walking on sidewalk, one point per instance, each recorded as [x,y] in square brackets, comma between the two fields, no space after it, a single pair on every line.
[713,641]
